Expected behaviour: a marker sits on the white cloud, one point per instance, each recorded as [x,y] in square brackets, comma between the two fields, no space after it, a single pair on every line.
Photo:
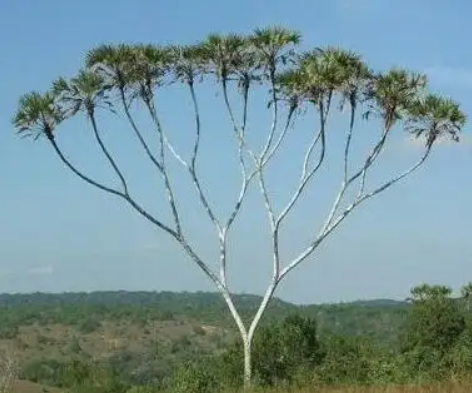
[41,270]
[450,76]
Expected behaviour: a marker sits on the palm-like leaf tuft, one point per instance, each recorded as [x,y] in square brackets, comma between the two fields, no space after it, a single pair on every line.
[187,62]
[322,72]
[226,55]
[394,92]
[37,115]
[137,69]
[84,92]
[151,64]
[434,117]
[274,45]
[113,63]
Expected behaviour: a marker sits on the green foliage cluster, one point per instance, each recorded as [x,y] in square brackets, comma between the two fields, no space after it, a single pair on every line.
[380,320]
[432,341]
[434,345]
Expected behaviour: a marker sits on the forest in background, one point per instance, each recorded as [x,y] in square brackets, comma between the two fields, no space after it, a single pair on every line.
[186,342]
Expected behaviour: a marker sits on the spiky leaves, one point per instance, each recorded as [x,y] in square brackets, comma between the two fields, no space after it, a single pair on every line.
[38,115]
[226,55]
[274,45]
[85,93]
[134,69]
[392,93]
[114,63]
[150,68]
[138,71]
[323,72]
[187,63]
[434,117]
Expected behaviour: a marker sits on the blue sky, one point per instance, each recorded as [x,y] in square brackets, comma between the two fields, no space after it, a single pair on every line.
[58,234]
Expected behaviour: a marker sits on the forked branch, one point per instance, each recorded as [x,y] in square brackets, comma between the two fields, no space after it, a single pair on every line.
[314,77]
[165,175]
[330,225]
[107,154]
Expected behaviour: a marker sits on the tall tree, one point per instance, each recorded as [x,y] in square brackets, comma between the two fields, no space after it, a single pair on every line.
[436,319]
[116,76]
[466,293]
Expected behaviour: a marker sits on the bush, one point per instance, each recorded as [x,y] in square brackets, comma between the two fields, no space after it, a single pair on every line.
[192,378]
[345,362]
[198,330]
[88,326]
[9,332]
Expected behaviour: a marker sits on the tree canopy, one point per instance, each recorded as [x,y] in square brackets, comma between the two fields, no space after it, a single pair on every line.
[114,77]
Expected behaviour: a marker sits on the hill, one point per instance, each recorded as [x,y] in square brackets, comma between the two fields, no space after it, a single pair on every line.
[146,334]
[367,317]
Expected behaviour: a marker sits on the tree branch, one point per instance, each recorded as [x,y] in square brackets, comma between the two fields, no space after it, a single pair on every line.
[246,180]
[239,132]
[281,137]
[371,158]
[165,175]
[273,129]
[267,202]
[348,142]
[191,168]
[327,229]
[399,177]
[110,190]
[306,174]
[137,132]
[185,245]
[262,186]
[105,151]
[197,126]
[262,307]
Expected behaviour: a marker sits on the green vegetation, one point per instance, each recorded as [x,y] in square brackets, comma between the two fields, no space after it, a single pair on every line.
[269,65]
[113,342]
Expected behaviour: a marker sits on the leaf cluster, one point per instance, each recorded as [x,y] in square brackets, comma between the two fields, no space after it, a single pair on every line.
[125,72]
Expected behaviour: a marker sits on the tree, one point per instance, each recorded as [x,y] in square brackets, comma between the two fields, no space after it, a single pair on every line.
[283,352]
[435,325]
[193,378]
[436,320]
[466,293]
[116,76]
[346,361]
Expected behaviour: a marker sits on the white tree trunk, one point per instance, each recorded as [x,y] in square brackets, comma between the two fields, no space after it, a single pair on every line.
[260,161]
[247,346]
[8,372]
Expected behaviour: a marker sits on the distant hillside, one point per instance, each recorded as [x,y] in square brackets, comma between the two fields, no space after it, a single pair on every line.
[379,319]
[379,302]
[148,334]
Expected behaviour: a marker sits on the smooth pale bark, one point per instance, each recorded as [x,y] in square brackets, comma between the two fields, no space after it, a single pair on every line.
[259,161]
[8,372]
[331,223]
[247,351]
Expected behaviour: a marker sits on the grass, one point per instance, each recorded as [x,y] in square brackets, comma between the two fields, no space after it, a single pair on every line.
[450,387]
[56,341]
[30,387]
